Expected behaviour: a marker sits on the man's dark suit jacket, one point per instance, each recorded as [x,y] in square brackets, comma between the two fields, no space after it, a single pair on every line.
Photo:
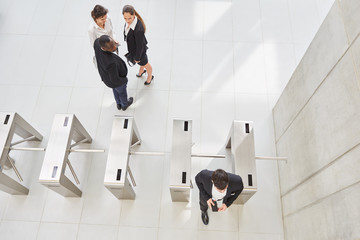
[136,41]
[204,183]
[112,68]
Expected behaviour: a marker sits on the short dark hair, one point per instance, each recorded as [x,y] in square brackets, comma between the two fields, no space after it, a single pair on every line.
[220,179]
[98,12]
[104,41]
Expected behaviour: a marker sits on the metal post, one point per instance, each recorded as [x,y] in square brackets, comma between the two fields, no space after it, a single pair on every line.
[10,124]
[15,169]
[73,172]
[66,129]
[137,143]
[180,161]
[148,153]
[79,142]
[241,143]
[131,177]
[87,150]
[27,149]
[24,140]
[124,136]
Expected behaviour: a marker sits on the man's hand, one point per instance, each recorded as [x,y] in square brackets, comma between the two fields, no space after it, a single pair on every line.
[223,208]
[210,202]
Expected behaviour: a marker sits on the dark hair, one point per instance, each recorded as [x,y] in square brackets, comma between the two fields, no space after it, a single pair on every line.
[220,179]
[104,41]
[98,12]
[130,9]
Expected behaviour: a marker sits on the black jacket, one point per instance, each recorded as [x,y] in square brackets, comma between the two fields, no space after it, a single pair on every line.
[136,41]
[203,181]
[112,68]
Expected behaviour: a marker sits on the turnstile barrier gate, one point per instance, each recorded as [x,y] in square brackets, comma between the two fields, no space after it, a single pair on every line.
[241,144]
[11,124]
[180,161]
[124,136]
[66,128]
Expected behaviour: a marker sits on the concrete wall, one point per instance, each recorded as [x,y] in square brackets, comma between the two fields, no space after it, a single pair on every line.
[317,126]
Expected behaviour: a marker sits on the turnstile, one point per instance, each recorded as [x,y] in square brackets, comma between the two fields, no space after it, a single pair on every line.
[12,123]
[67,132]
[241,143]
[65,129]
[180,161]
[124,136]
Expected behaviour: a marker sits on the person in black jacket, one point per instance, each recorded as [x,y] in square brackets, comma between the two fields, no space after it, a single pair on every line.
[218,190]
[112,70]
[134,35]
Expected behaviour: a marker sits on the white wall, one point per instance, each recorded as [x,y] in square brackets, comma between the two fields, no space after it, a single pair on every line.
[316,123]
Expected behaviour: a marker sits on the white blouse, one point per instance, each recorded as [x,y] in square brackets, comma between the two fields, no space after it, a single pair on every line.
[95,31]
[132,26]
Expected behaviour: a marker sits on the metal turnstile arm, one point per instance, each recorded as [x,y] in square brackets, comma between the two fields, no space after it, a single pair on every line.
[73,171]
[15,169]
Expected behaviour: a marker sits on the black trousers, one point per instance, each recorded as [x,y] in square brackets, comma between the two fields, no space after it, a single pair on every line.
[203,204]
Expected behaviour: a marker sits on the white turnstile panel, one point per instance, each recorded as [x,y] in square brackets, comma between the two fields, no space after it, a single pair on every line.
[65,129]
[124,135]
[241,143]
[10,124]
[180,161]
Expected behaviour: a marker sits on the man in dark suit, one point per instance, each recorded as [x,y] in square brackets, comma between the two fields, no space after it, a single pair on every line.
[112,70]
[218,190]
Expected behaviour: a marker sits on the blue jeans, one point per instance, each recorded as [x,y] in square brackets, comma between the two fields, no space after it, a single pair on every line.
[120,95]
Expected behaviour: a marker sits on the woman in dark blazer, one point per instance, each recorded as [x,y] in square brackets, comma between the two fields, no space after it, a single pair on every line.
[134,35]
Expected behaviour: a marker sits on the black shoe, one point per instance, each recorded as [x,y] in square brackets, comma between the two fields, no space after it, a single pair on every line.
[205,217]
[118,106]
[148,83]
[141,74]
[130,101]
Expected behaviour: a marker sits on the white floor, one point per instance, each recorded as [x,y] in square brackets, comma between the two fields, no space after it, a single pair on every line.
[214,61]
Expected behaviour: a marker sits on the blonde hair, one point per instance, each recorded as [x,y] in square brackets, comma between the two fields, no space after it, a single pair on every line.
[130,9]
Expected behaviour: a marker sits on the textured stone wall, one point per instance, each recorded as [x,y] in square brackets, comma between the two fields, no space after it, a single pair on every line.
[317,126]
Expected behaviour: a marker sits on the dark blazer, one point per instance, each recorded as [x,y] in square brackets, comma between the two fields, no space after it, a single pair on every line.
[111,67]
[203,181]
[136,41]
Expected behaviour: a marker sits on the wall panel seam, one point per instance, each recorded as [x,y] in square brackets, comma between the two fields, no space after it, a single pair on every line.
[342,18]
[294,118]
[320,200]
[307,178]
[307,101]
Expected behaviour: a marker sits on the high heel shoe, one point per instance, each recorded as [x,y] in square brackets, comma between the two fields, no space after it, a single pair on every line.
[148,83]
[139,76]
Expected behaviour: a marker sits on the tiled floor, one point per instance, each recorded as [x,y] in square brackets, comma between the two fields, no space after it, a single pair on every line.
[214,61]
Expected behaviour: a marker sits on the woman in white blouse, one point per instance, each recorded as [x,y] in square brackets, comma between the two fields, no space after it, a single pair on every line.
[102,24]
